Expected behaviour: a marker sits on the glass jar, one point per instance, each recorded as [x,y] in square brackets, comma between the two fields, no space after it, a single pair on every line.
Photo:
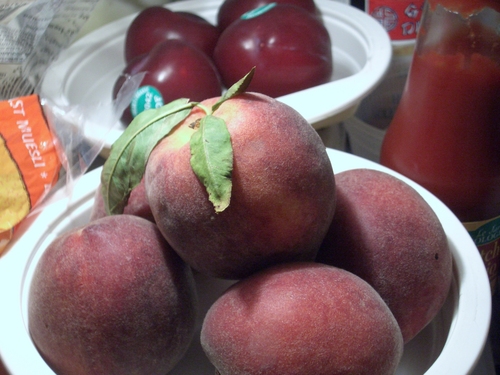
[445,134]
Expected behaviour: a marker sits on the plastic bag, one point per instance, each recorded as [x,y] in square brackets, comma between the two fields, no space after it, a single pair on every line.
[46,143]
[32,34]
[45,148]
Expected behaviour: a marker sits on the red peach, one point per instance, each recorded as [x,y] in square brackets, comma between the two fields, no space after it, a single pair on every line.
[110,298]
[386,233]
[302,318]
[282,199]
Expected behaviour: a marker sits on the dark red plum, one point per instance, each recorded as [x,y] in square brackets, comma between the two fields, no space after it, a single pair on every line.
[173,69]
[290,48]
[156,24]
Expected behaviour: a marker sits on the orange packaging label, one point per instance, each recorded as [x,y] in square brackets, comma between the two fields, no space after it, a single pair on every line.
[29,161]
[401,18]
[486,236]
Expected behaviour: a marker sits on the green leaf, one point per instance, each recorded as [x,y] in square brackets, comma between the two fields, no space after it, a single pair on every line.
[236,89]
[124,168]
[212,160]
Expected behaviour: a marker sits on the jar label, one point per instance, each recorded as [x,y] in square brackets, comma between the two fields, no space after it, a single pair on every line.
[486,236]
[401,19]
[146,97]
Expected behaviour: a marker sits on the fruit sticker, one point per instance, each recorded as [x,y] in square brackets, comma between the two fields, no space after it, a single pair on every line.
[257,11]
[210,152]
[146,97]
[30,163]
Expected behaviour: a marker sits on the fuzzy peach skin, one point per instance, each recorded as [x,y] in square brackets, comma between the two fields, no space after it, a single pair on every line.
[111,298]
[283,194]
[386,233]
[137,204]
[302,318]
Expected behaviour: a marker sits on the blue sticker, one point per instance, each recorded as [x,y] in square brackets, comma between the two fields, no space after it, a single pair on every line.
[146,97]
[257,11]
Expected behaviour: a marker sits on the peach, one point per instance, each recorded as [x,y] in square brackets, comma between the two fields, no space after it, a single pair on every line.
[282,199]
[301,318]
[387,234]
[112,297]
[137,204]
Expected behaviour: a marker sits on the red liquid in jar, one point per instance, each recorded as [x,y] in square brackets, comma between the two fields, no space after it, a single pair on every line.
[445,134]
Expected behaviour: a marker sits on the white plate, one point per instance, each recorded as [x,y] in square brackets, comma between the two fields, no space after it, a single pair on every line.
[451,344]
[85,73]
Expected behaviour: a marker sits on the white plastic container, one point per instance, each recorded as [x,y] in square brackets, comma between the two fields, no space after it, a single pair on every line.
[451,344]
[85,73]
[366,129]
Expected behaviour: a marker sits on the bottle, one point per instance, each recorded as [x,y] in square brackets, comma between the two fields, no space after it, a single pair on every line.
[365,130]
[445,134]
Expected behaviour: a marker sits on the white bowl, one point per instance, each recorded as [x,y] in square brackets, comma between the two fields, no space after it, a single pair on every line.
[451,344]
[85,73]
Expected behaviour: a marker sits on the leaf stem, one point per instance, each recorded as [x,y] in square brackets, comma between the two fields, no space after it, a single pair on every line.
[208,111]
